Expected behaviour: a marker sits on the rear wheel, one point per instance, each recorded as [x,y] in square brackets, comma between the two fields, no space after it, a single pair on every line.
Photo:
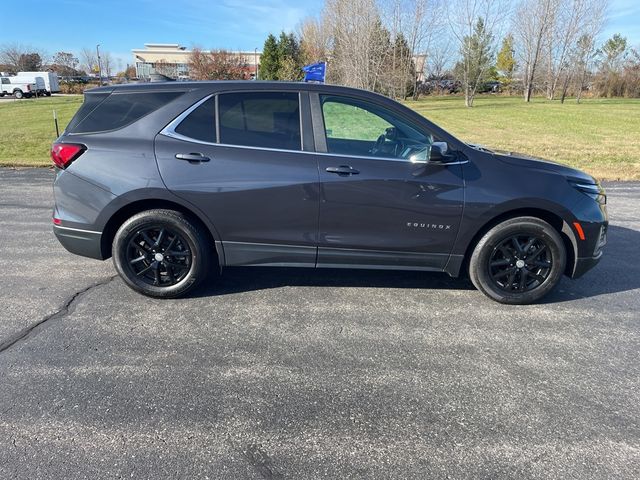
[162,253]
[18,94]
[518,261]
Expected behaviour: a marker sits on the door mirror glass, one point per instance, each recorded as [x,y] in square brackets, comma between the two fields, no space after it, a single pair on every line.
[438,152]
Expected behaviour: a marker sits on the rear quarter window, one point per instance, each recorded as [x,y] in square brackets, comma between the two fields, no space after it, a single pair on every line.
[101,112]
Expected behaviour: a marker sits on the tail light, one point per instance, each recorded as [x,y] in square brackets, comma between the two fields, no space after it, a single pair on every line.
[28,87]
[63,154]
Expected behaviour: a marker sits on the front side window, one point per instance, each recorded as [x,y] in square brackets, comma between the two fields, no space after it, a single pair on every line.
[354,127]
[260,119]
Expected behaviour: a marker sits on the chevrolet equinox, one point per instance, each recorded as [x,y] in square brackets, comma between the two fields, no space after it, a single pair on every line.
[177,180]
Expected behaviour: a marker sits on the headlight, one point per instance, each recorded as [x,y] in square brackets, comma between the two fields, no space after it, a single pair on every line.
[594,191]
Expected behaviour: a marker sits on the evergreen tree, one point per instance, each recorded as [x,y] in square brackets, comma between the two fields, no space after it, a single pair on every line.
[506,62]
[476,60]
[289,58]
[270,60]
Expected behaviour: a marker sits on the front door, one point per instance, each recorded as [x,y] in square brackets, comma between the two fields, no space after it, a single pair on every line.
[381,203]
[247,170]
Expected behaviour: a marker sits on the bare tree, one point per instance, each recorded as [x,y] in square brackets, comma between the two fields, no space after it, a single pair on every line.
[419,22]
[532,21]
[574,18]
[314,40]
[359,42]
[17,57]
[88,60]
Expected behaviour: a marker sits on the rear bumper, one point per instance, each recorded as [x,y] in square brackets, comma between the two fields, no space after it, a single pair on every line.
[80,242]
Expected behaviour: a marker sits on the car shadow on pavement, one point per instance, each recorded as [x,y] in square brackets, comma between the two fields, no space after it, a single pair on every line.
[244,279]
[615,273]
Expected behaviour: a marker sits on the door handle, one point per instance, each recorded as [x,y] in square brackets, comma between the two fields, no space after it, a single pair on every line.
[342,170]
[192,157]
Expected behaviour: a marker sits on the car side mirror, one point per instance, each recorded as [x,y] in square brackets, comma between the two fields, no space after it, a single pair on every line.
[438,152]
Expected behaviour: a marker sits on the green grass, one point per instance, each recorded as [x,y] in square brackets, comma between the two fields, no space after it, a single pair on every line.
[601,137]
[28,129]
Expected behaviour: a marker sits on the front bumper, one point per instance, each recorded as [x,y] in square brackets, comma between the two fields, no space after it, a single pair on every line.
[583,265]
[80,242]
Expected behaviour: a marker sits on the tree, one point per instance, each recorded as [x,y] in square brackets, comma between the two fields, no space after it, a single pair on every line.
[476,60]
[314,41]
[270,59]
[216,65]
[88,60]
[585,53]
[289,58]
[532,21]
[506,62]
[473,23]
[17,57]
[65,64]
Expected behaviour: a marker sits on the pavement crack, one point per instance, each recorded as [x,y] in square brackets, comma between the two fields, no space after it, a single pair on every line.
[260,460]
[66,309]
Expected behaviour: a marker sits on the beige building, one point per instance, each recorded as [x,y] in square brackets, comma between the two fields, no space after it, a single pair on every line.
[172,60]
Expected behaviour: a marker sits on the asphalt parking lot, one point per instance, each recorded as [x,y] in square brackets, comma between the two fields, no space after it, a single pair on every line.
[311,374]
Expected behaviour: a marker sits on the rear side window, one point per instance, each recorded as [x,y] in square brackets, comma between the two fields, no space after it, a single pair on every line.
[260,119]
[201,123]
[102,112]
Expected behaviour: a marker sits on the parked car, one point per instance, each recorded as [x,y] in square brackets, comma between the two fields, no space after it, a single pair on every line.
[178,180]
[51,84]
[490,87]
[17,87]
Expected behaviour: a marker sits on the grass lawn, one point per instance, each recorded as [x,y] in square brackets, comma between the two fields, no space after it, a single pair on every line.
[28,129]
[601,137]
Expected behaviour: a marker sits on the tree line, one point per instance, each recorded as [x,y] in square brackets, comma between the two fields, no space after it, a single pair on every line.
[16,57]
[531,47]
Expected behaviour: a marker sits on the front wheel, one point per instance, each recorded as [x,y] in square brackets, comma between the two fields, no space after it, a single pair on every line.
[162,253]
[518,261]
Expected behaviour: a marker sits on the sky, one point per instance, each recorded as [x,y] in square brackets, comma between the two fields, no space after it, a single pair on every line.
[120,25]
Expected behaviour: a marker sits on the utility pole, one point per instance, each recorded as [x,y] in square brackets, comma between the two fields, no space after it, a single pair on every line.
[99,64]
[255,61]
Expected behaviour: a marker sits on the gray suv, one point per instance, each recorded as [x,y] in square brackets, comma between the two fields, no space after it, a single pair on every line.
[177,180]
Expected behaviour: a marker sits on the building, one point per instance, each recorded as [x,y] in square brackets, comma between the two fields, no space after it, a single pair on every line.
[172,60]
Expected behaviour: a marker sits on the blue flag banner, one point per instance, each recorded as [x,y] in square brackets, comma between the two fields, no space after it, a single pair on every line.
[315,72]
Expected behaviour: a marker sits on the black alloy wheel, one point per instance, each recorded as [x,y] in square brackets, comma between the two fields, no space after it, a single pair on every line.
[163,253]
[520,263]
[159,256]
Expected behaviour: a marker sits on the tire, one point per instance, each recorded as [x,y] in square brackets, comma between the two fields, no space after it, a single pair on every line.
[518,261]
[166,265]
[48,94]
[18,94]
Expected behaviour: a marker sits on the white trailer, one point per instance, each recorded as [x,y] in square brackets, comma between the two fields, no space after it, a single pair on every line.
[50,80]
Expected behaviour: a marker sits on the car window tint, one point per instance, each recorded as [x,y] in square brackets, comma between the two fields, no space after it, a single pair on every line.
[260,119]
[121,109]
[201,123]
[355,127]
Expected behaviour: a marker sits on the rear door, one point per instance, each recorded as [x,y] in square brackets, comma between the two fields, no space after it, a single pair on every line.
[382,204]
[243,158]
